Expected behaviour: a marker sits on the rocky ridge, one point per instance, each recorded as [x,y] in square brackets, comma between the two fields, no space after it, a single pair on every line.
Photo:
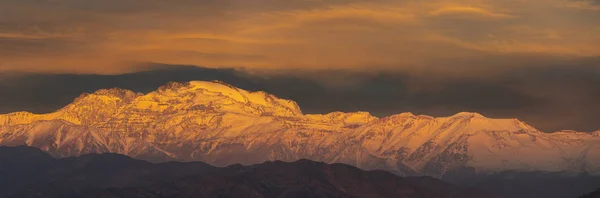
[223,125]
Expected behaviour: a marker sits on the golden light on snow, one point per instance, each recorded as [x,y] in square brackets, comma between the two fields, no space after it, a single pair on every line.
[222,125]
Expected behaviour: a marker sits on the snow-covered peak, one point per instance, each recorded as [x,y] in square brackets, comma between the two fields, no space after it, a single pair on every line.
[223,124]
[468,115]
[98,106]
[173,86]
[477,122]
[221,88]
[216,96]
[118,92]
[418,139]
[112,93]
[243,96]
[214,87]
[16,118]
[568,132]
[353,118]
[406,114]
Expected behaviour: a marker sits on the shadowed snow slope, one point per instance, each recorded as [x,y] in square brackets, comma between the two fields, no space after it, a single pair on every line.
[223,125]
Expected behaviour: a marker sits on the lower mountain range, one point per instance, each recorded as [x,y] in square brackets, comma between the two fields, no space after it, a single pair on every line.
[595,194]
[223,125]
[29,172]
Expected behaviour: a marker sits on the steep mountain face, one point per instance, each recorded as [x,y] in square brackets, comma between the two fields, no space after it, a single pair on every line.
[223,125]
[113,175]
[438,145]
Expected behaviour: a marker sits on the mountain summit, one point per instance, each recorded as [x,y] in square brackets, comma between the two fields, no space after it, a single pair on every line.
[222,125]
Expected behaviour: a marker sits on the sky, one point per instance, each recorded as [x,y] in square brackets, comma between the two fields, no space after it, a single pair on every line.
[534,60]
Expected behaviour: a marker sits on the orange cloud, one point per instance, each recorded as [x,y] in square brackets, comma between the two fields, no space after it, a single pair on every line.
[71,36]
[582,5]
[27,36]
[469,12]
[333,16]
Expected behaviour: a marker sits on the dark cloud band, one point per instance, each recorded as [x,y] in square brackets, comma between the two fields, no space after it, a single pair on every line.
[549,98]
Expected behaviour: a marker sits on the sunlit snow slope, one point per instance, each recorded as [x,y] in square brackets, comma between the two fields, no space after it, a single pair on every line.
[222,125]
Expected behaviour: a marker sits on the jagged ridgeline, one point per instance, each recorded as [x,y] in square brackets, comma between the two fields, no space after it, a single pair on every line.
[29,172]
[222,125]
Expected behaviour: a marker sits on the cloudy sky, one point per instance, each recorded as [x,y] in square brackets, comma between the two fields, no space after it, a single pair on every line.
[535,60]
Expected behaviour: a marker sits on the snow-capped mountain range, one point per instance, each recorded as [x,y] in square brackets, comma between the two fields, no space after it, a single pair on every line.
[223,125]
